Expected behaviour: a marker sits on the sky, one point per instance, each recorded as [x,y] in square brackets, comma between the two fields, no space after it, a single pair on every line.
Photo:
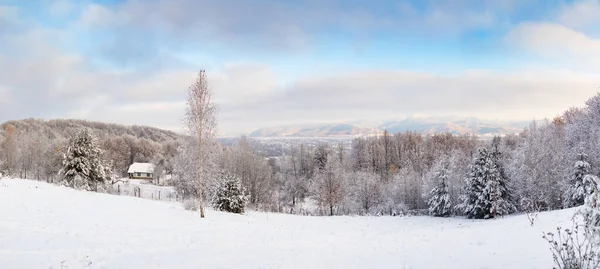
[272,63]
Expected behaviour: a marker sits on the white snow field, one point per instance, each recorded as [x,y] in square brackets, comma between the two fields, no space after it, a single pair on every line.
[46,226]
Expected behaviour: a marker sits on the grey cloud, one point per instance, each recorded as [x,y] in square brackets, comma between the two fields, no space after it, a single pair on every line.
[255,26]
[39,80]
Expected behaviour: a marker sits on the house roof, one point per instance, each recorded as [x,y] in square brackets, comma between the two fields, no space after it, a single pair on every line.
[141,168]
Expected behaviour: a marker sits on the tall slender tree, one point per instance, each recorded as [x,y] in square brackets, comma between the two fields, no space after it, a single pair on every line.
[439,199]
[201,122]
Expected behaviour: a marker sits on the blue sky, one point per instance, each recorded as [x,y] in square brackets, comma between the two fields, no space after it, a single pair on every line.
[291,62]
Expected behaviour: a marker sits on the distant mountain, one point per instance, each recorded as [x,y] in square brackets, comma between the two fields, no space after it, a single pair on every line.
[429,125]
[454,125]
[326,130]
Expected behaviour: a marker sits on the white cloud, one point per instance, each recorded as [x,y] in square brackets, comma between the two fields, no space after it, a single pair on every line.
[518,95]
[581,14]
[95,15]
[557,42]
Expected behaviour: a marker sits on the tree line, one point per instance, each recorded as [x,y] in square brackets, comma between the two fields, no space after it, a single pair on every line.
[541,168]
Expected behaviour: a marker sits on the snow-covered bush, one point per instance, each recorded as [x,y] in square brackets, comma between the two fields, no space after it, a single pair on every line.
[572,249]
[530,208]
[579,247]
[230,196]
[190,204]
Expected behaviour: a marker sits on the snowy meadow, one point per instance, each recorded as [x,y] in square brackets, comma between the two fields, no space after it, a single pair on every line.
[47,226]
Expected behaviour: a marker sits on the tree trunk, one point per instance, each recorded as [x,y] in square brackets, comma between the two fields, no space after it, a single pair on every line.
[201,183]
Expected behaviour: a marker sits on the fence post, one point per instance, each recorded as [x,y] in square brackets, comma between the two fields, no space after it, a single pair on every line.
[119,189]
[158,195]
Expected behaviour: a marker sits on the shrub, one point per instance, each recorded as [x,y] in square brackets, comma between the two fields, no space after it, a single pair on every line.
[190,204]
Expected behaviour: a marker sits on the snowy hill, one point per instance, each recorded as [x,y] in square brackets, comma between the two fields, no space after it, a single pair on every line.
[326,130]
[45,226]
[454,125]
[425,125]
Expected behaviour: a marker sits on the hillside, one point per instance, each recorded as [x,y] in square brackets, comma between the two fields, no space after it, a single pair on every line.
[36,146]
[454,125]
[45,226]
[64,128]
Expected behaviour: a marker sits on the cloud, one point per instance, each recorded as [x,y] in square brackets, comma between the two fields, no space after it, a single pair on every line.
[9,19]
[45,73]
[522,94]
[140,29]
[581,14]
[557,42]
[95,15]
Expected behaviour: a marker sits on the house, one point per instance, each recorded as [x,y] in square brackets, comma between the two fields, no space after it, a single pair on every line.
[141,171]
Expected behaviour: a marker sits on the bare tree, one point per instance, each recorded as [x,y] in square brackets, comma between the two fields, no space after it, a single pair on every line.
[9,147]
[201,122]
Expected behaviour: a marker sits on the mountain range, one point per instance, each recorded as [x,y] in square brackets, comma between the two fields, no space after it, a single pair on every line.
[425,125]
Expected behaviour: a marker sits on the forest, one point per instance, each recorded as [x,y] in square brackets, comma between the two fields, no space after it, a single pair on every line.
[541,168]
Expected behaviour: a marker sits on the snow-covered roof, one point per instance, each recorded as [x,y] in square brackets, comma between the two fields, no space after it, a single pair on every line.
[141,168]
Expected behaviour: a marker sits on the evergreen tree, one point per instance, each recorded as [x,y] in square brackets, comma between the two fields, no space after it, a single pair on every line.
[591,210]
[82,166]
[577,190]
[230,196]
[439,201]
[500,194]
[486,195]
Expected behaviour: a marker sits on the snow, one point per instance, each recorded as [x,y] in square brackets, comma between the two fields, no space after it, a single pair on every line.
[47,226]
[141,168]
[146,189]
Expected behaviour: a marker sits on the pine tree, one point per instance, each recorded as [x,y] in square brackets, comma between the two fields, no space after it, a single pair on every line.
[486,195]
[439,201]
[230,196]
[82,166]
[577,191]
[591,210]
[500,195]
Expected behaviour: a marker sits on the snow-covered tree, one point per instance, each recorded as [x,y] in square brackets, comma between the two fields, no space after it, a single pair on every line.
[591,211]
[577,190]
[186,170]
[230,196]
[330,184]
[363,194]
[201,122]
[439,199]
[486,195]
[82,166]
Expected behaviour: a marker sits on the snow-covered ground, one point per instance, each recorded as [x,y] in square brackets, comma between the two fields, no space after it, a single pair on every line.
[45,226]
[146,190]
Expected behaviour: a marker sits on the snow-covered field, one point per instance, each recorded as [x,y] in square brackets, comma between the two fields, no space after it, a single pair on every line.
[45,226]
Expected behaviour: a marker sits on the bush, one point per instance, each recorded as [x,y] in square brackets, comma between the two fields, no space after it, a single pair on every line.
[579,248]
[230,196]
[190,204]
[573,249]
